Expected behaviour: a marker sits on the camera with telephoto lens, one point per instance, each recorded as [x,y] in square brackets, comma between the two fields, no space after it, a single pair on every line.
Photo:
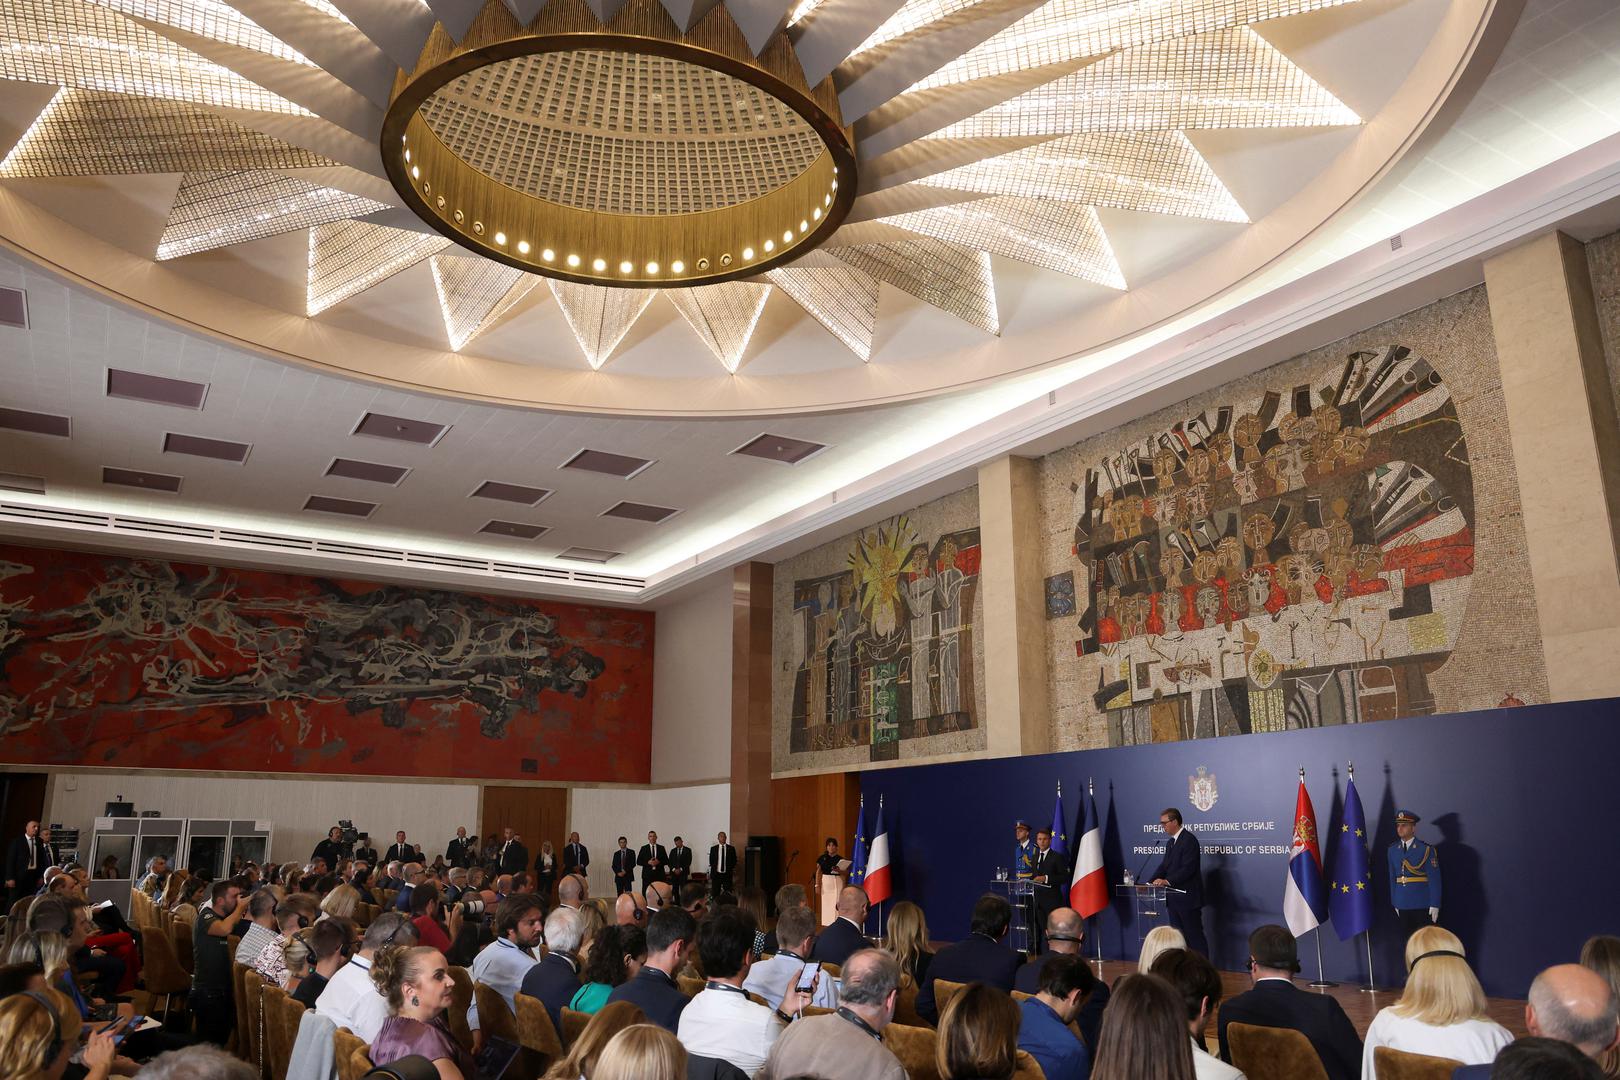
[471,907]
[350,834]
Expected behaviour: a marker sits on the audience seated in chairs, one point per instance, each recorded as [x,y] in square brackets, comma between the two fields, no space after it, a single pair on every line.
[1144,1033]
[642,1052]
[428,913]
[844,1045]
[654,989]
[416,982]
[292,915]
[504,962]
[771,979]
[615,958]
[1543,1059]
[1602,955]
[721,1021]
[1276,1002]
[1045,1035]
[192,892]
[261,925]
[350,999]
[908,940]
[844,936]
[1159,939]
[978,1035]
[1442,1011]
[341,902]
[39,1032]
[587,1049]
[1065,933]
[327,945]
[1572,1004]
[980,957]
[1199,985]
[555,979]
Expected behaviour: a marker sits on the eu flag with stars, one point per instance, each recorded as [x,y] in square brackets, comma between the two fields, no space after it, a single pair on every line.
[1350,884]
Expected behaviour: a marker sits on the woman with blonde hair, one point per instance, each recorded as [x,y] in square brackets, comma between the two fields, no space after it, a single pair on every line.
[1160,939]
[587,1049]
[593,916]
[908,941]
[46,949]
[39,1031]
[416,983]
[1602,955]
[978,1035]
[340,903]
[1442,1010]
[171,889]
[641,1052]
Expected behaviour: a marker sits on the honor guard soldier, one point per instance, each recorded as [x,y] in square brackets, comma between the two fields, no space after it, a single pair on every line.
[1023,866]
[1414,875]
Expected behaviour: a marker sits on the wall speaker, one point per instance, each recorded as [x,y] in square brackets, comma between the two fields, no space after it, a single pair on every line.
[762,865]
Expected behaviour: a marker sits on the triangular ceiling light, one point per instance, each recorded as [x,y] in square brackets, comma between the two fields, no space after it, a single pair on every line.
[350,257]
[1057,235]
[599,316]
[952,278]
[475,294]
[214,209]
[723,315]
[835,294]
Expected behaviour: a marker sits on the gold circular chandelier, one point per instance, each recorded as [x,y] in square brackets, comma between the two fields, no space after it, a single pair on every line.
[630,155]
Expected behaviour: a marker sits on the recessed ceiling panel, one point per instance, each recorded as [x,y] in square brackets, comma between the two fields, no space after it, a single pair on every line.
[158,389]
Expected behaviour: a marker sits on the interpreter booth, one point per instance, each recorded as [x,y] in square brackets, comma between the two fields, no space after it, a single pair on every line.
[121,848]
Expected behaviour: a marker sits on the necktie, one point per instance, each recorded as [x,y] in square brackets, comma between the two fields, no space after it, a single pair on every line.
[33,853]
[722,859]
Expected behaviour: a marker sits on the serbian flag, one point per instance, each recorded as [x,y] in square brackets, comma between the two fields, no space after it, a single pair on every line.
[1088,892]
[1304,897]
[877,884]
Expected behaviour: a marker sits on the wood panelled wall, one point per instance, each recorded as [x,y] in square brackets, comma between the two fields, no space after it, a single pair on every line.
[808,809]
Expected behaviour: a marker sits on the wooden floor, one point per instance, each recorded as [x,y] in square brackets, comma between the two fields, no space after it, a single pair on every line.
[1359,1006]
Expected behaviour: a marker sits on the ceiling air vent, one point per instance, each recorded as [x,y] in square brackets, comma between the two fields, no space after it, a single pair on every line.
[14,308]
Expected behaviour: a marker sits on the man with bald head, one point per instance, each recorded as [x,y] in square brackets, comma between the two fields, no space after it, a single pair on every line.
[1065,933]
[846,934]
[849,1043]
[1569,1003]
[630,910]
[660,895]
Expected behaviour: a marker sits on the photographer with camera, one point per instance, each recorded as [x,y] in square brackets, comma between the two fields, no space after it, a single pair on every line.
[434,926]
[332,850]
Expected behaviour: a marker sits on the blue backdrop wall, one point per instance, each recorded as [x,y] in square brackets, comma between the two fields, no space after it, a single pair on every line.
[1520,803]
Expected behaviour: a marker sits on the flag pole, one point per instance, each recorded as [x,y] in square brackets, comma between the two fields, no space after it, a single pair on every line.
[1369,988]
[1096,920]
[1321,982]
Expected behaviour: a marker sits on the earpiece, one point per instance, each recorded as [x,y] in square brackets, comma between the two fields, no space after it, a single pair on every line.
[56,1021]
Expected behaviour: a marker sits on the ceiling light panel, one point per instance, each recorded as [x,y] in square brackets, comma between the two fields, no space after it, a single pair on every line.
[634,511]
[1158,172]
[157,389]
[1225,79]
[952,278]
[146,481]
[349,257]
[383,426]
[88,134]
[211,19]
[33,485]
[474,294]
[599,317]
[723,315]
[600,461]
[1057,235]
[518,493]
[36,423]
[516,529]
[370,471]
[1062,30]
[215,209]
[77,44]
[199,446]
[13,308]
[780,448]
[326,504]
[590,555]
[839,297]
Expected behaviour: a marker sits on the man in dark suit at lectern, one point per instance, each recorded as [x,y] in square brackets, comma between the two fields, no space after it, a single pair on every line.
[1050,876]
[1182,876]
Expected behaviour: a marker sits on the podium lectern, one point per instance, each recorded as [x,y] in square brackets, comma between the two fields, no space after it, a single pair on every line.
[1148,901]
[830,885]
[1020,893]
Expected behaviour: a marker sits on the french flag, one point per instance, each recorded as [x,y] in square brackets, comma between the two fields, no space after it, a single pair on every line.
[877,885]
[1304,898]
[1088,891]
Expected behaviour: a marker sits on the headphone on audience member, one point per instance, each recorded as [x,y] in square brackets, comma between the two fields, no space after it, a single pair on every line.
[56,1021]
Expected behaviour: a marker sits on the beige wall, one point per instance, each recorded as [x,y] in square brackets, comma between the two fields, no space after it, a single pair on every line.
[601,815]
[691,738]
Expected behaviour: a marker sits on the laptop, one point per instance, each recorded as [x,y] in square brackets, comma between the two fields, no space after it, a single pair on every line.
[495,1058]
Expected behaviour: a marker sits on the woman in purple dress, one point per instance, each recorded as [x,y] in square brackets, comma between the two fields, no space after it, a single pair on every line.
[416,983]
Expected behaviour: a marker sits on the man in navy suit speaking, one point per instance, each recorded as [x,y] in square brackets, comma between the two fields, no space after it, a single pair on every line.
[1183,879]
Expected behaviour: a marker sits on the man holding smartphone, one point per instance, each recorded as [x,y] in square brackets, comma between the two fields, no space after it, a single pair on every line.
[792,966]
[721,1022]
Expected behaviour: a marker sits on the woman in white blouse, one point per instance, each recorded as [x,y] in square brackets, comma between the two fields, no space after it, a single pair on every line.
[1442,1010]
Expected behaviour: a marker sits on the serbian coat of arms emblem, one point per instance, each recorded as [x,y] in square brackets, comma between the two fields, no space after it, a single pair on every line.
[1201,790]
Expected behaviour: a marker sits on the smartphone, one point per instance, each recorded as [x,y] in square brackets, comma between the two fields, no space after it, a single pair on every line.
[122,1026]
[807,977]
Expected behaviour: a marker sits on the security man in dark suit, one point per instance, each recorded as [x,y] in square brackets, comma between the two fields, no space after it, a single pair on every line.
[461,851]
[1049,872]
[722,864]
[576,856]
[653,858]
[979,957]
[1276,1002]
[1182,875]
[624,867]
[1414,875]
[680,866]
[25,863]
[400,850]
[513,857]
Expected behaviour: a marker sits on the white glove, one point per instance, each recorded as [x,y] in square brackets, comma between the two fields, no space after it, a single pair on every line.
[1434,914]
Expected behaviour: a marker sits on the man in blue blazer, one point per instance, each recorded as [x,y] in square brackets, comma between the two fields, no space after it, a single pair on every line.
[979,957]
[654,990]
[844,937]
[555,980]
[1180,872]
[1276,1002]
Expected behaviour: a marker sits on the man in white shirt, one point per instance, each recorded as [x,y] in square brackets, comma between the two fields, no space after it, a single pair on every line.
[504,961]
[263,929]
[1199,985]
[351,999]
[721,1022]
[771,979]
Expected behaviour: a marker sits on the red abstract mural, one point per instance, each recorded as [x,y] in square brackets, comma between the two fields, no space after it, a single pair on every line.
[150,664]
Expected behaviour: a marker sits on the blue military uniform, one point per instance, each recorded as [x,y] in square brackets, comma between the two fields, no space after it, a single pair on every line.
[1023,856]
[1414,878]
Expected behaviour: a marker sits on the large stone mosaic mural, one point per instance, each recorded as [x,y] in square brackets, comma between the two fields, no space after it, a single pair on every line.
[877,641]
[1297,557]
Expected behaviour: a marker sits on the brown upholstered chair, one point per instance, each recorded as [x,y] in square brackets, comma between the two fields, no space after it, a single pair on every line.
[573,1026]
[292,1013]
[252,1024]
[494,1015]
[834,970]
[1027,1068]
[349,1052]
[1392,1064]
[1268,1053]
[915,1047]
[944,990]
[905,1004]
[161,969]
[536,1033]
[689,985]
[239,991]
[276,1050]
[461,997]
[817,1010]
[183,947]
